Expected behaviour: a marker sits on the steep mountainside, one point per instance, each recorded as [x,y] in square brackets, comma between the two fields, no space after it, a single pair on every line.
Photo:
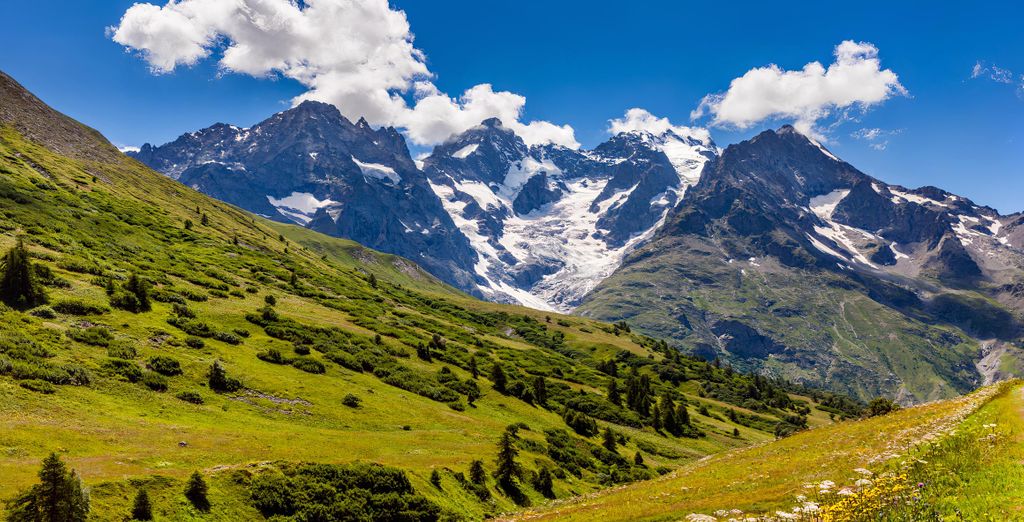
[786,259]
[549,223]
[185,334]
[311,166]
[533,225]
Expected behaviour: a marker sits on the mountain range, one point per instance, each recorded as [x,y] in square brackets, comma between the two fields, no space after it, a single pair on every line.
[772,254]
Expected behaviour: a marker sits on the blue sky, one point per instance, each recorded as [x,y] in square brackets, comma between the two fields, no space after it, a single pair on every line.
[584,63]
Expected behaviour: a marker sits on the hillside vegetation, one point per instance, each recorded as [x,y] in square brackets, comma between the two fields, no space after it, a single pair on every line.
[304,376]
[951,460]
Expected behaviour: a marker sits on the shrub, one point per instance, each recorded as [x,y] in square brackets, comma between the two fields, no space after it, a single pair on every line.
[219,381]
[190,396]
[227,337]
[95,335]
[272,355]
[309,365]
[121,350]
[154,381]
[77,307]
[43,312]
[351,401]
[38,385]
[124,368]
[194,342]
[164,365]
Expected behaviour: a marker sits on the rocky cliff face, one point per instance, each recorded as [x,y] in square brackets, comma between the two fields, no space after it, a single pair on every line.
[311,166]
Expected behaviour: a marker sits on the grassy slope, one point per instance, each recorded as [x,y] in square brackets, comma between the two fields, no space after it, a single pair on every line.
[119,217]
[837,336]
[769,477]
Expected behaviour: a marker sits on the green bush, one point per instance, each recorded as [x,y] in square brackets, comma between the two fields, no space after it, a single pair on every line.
[358,491]
[309,365]
[43,312]
[190,396]
[77,307]
[154,381]
[351,401]
[94,335]
[272,355]
[194,342]
[38,385]
[164,365]
[124,368]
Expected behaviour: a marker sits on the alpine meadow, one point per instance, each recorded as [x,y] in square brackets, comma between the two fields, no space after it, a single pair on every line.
[362,298]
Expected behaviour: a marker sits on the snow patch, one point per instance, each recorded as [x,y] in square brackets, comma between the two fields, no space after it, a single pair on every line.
[825,204]
[378,171]
[299,206]
[465,151]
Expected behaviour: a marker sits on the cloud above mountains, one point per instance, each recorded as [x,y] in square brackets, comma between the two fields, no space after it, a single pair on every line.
[357,54]
[854,80]
[637,119]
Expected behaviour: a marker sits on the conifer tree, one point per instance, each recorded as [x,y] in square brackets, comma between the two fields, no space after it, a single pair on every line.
[142,509]
[507,469]
[498,378]
[59,496]
[608,441]
[473,368]
[540,390]
[18,286]
[614,396]
[195,492]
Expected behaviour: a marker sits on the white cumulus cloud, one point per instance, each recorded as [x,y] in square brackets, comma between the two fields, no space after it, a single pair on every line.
[637,119]
[356,54]
[854,80]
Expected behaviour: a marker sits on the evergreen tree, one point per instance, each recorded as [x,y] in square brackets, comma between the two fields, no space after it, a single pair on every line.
[373,281]
[507,469]
[477,475]
[204,220]
[683,415]
[498,378]
[19,287]
[670,420]
[195,492]
[540,390]
[638,459]
[544,484]
[59,496]
[435,479]
[472,367]
[142,509]
[614,396]
[609,441]
[656,419]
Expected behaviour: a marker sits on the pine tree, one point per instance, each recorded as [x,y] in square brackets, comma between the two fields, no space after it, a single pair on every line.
[435,479]
[670,420]
[59,496]
[609,441]
[472,367]
[614,396]
[540,390]
[656,419]
[219,380]
[373,281]
[204,220]
[683,415]
[142,509]
[195,492]
[544,484]
[498,378]
[507,469]
[18,287]
[477,475]
[638,459]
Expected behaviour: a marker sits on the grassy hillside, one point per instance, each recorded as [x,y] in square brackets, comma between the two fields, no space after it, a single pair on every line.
[927,462]
[333,354]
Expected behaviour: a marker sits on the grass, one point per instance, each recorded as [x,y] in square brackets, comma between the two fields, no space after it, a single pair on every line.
[770,477]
